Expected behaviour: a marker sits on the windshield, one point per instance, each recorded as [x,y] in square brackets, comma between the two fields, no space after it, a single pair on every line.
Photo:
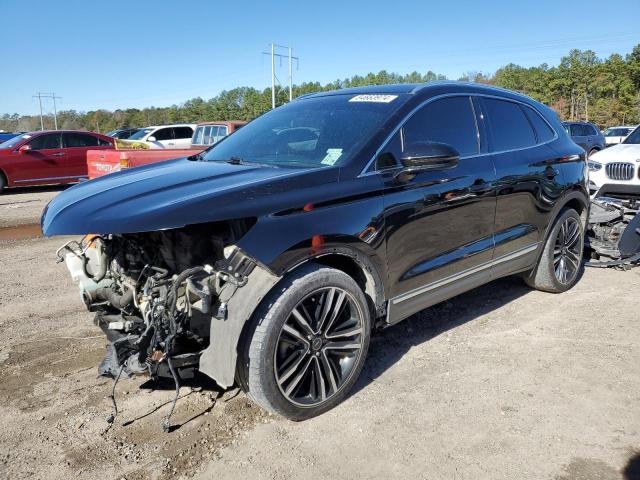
[617,132]
[314,132]
[634,137]
[14,141]
[140,134]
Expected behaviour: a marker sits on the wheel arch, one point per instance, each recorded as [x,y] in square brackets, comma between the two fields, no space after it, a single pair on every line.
[3,176]
[360,268]
[576,199]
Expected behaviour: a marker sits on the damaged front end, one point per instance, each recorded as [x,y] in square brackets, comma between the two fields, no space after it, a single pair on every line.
[159,296]
[613,233]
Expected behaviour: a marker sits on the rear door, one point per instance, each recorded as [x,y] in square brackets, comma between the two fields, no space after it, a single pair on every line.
[529,180]
[164,138]
[439,222]
[44,163]
[76,145]
[182,137]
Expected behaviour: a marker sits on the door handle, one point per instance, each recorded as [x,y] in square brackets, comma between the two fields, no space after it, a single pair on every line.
[550,172]
[60,154]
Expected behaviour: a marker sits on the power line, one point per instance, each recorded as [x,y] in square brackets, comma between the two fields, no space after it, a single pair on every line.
[53,97]
[273,70]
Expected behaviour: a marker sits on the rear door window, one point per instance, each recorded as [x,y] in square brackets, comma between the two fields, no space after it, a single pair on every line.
[163,134]
[46,142]
[508,125]
[450,120]
[183,132]
[75,140]
[577,130]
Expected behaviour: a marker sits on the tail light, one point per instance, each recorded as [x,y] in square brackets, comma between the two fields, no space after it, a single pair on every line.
[124,161]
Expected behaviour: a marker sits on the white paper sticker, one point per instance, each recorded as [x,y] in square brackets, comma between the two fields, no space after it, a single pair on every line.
[374,98]
[332,156]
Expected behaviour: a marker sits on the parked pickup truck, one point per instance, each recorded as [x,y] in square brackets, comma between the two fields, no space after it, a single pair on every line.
[206,134]
[102,162]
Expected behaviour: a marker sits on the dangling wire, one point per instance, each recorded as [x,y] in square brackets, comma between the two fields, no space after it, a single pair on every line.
[111,418]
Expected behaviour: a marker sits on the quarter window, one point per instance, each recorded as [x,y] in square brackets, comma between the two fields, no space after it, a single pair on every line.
[44,142]
[510,129]
[450,120]
[542,128]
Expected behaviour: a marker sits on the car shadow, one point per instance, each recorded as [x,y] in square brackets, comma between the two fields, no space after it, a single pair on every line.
[632,468]
[389,345]
[39,189]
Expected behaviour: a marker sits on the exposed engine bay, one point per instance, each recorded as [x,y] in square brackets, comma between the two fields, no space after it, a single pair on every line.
[156,294]
[613,232]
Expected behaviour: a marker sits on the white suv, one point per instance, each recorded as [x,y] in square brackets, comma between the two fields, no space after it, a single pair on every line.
[615,171]
[165,136]
[615,135]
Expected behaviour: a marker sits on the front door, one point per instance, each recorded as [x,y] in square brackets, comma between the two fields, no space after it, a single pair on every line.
[44,163]
[439,223]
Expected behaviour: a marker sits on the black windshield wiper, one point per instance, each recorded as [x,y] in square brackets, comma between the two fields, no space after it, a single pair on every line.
[234,161]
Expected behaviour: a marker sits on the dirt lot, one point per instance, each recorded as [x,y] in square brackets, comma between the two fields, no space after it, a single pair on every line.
[501,382]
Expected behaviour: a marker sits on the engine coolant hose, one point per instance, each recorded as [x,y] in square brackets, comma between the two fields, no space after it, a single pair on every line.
[106,294]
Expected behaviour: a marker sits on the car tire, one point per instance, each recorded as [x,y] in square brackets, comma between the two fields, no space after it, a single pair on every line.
[297,370]
[560,264]
[3,182]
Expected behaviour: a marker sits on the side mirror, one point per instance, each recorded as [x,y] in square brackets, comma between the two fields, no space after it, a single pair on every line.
[421,156]
[151,139]
[24,149]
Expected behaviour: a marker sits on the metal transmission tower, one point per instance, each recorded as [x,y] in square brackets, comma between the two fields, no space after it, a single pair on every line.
[53,97]
[273,70]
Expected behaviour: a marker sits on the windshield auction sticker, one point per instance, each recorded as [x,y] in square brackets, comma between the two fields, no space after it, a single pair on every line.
[332,156]
[374,98]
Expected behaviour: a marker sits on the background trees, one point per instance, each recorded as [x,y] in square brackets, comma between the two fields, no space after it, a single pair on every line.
[581,87]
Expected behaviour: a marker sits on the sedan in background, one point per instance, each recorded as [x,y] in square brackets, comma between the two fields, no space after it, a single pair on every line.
[586,135]
[122,133]
[615,135]
[48,157]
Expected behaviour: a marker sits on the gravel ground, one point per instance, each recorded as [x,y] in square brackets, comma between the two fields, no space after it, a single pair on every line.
[19,206]
[502,382]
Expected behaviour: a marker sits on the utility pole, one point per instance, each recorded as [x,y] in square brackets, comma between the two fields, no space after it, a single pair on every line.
[273,70]
[40,101]
[53,97]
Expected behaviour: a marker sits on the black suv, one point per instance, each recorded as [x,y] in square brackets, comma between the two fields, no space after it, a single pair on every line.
[586,135]
[269,259]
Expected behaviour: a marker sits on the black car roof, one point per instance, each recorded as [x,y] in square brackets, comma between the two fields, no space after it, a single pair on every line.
[424,89]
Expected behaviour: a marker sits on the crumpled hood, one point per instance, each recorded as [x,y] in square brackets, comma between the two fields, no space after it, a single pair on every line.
[161,196]
[618,153]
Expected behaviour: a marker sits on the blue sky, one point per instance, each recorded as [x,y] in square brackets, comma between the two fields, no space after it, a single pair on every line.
[118,54]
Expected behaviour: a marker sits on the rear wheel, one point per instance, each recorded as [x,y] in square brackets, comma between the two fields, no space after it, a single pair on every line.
[559,266]
[308,343]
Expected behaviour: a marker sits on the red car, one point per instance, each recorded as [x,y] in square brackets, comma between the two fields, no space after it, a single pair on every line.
[48,157]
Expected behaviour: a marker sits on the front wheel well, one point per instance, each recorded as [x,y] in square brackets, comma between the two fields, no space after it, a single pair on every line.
[579,207]
[365,276]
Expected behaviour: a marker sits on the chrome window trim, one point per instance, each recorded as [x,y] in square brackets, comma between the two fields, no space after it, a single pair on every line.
[371,163]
